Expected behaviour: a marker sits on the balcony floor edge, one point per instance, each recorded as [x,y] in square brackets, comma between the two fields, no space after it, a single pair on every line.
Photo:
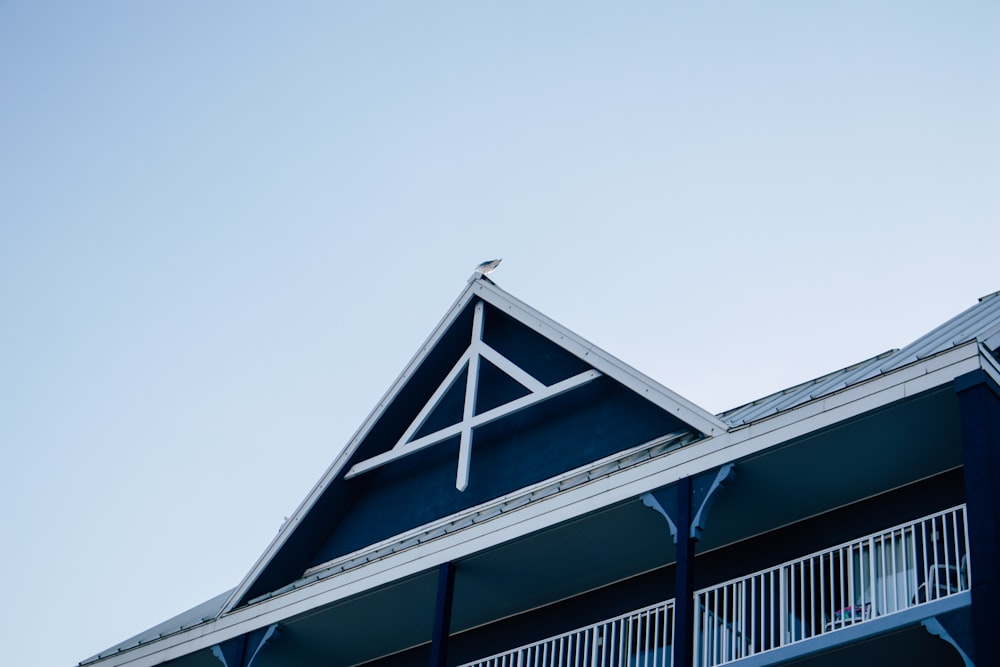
[858,631]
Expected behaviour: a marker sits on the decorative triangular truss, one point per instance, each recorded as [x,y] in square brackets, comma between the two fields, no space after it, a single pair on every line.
[470,361]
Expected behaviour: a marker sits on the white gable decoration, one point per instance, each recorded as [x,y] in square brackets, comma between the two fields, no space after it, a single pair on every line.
[478,349]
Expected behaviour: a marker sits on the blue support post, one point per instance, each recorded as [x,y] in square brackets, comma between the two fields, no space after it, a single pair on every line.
[442,615]
[979,407]
[683,587]
[686,508]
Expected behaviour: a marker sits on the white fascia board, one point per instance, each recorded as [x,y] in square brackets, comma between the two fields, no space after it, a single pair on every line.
[688,412]
[594,495]
[992,339]
[990,365]
[472,421]
[874,392]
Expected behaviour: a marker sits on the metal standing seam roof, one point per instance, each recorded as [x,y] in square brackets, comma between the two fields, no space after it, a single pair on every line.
[202,613]
[980,322]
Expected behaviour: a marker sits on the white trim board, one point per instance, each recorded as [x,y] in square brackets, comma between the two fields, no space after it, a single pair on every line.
[469,363]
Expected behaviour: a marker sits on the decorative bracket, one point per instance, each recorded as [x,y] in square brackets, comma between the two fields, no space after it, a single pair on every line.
[703,496]
[234,653]
[934,626]
[722,478]
[653,503]
[469,361]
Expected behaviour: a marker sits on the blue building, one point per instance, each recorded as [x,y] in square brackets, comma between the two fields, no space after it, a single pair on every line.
[521,498]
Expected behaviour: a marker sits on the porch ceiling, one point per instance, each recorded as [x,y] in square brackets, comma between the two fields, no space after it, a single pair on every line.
[542,568]
[560,562]
[904,442]
[364,627]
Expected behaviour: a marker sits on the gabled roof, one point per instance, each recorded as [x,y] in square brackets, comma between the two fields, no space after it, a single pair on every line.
[980,322]
[562,363]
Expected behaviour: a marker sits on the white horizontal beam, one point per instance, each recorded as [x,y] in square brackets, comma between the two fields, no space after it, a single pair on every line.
[487,417]
[432,402]
[509,367]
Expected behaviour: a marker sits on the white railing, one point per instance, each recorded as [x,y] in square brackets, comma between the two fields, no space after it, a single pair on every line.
[642,638]
[880,574]
[870,577]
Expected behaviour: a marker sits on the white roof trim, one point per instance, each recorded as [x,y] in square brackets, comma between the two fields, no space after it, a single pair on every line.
[684,410]
[990,365]
[688,412]
[537,393]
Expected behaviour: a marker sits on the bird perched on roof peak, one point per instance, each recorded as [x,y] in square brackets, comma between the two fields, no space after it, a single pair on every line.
[485,268]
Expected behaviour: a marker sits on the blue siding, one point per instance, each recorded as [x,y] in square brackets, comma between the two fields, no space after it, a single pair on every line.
[531,446]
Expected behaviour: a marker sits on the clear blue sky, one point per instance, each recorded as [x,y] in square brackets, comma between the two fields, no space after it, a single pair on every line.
[225,227]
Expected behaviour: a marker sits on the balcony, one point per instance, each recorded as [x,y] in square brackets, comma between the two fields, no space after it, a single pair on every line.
[868,578]
[641,638]
[879,576]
